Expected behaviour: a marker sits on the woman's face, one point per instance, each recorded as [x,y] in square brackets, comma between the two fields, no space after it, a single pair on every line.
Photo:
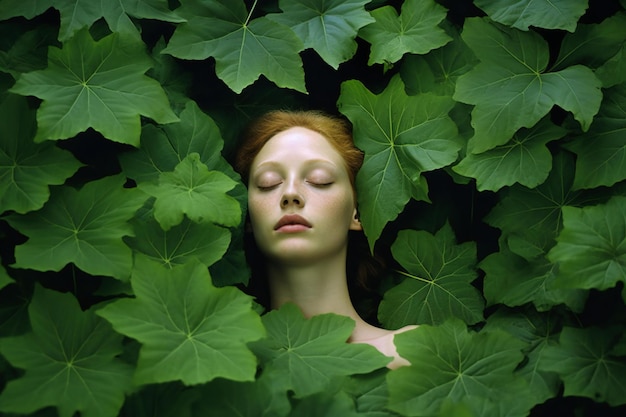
[300,198]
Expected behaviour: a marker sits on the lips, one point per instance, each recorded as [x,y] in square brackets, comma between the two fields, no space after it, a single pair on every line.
[293,223]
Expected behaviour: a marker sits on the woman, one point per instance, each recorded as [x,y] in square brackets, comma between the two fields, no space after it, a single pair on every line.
[300,169]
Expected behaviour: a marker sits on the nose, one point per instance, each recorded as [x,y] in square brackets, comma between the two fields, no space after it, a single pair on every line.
[292,197]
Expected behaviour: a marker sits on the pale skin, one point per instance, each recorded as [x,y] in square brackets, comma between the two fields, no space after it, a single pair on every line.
[301,206]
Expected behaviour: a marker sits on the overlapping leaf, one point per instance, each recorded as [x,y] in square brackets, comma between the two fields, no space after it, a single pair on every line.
[438,281]
[450,362]
[27,50]
[525,159]
[69,360]
[84,227]
[601,152]
[415,31]
[77,14]
[243,48]
[584,362]
[27,169]
[189,330]
[402,137]
[5,279]
[306,355]
[547,14]
[591,248]
[511,89]
[329,27]
[192,190]
[95,84]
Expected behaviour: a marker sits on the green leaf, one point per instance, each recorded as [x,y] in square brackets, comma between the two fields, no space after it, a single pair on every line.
[449,362]
[27,169]
[584,362]
[511,89]
[591,248]
[77,14]
[329,27]
[243,48]
[189,330]
[601,152]
[415,31]
[613,72]
[547,14]
[305,355]
[69,360]
[192,190]
[27,51]
[327,404]
[402,137]
[97,85]
[525,159]
[161,400]
[5,279]
[438,283]
[83,226]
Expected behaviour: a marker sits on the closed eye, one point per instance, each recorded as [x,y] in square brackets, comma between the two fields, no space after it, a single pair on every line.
[267,187]
[320,184]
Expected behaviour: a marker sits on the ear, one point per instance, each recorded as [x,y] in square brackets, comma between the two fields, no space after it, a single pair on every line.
[355,224]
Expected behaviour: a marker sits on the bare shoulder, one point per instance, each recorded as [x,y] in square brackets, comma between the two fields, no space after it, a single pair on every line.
[383,340]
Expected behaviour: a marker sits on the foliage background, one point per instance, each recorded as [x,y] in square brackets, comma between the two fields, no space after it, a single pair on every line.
[495,142]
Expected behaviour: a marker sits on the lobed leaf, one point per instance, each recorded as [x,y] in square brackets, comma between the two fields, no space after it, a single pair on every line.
[415,31]
[329,27]
[95,84]
[438,283]
[547,14]
[84,227]
[401,137]
[190,331]
[69,359]
[305,355]
[27,169]
[511,89]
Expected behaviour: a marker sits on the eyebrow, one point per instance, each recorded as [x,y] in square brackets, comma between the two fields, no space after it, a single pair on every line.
[311,162]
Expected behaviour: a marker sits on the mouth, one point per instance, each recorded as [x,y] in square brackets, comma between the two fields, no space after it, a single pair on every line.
[292,223]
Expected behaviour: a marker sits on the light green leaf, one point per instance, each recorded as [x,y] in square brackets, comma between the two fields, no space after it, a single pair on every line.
[189,330]
[329,27]
[450,362]
[438,281]
[601,152]
[95,84]
[305,355]
[402,137]
[83,226]
[204,242]
[69,360]
[192,190]
[27,169]
[525,159]
[547,14]
[243,48]
[584,362]
[591,248]
[511,89]
[415,31]
[77,14]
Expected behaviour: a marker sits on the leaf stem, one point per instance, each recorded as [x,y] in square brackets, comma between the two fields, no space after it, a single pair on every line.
[250,13]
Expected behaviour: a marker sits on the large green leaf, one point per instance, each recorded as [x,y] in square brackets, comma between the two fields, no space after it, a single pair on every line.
[525,159]
[69,360]
[95,84]
[601,152]
[77,14]
[547,14]
[192,190]
[438,281]
[402,137]
[305,355]
[329,27]
[415,31]
[511,89]
[449,362]
[83,226]
[243,48]
[189,330]
[584,362]
[26,168]
[591,248]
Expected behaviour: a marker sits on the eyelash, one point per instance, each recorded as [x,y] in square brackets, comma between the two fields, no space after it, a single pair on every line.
[318,185]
